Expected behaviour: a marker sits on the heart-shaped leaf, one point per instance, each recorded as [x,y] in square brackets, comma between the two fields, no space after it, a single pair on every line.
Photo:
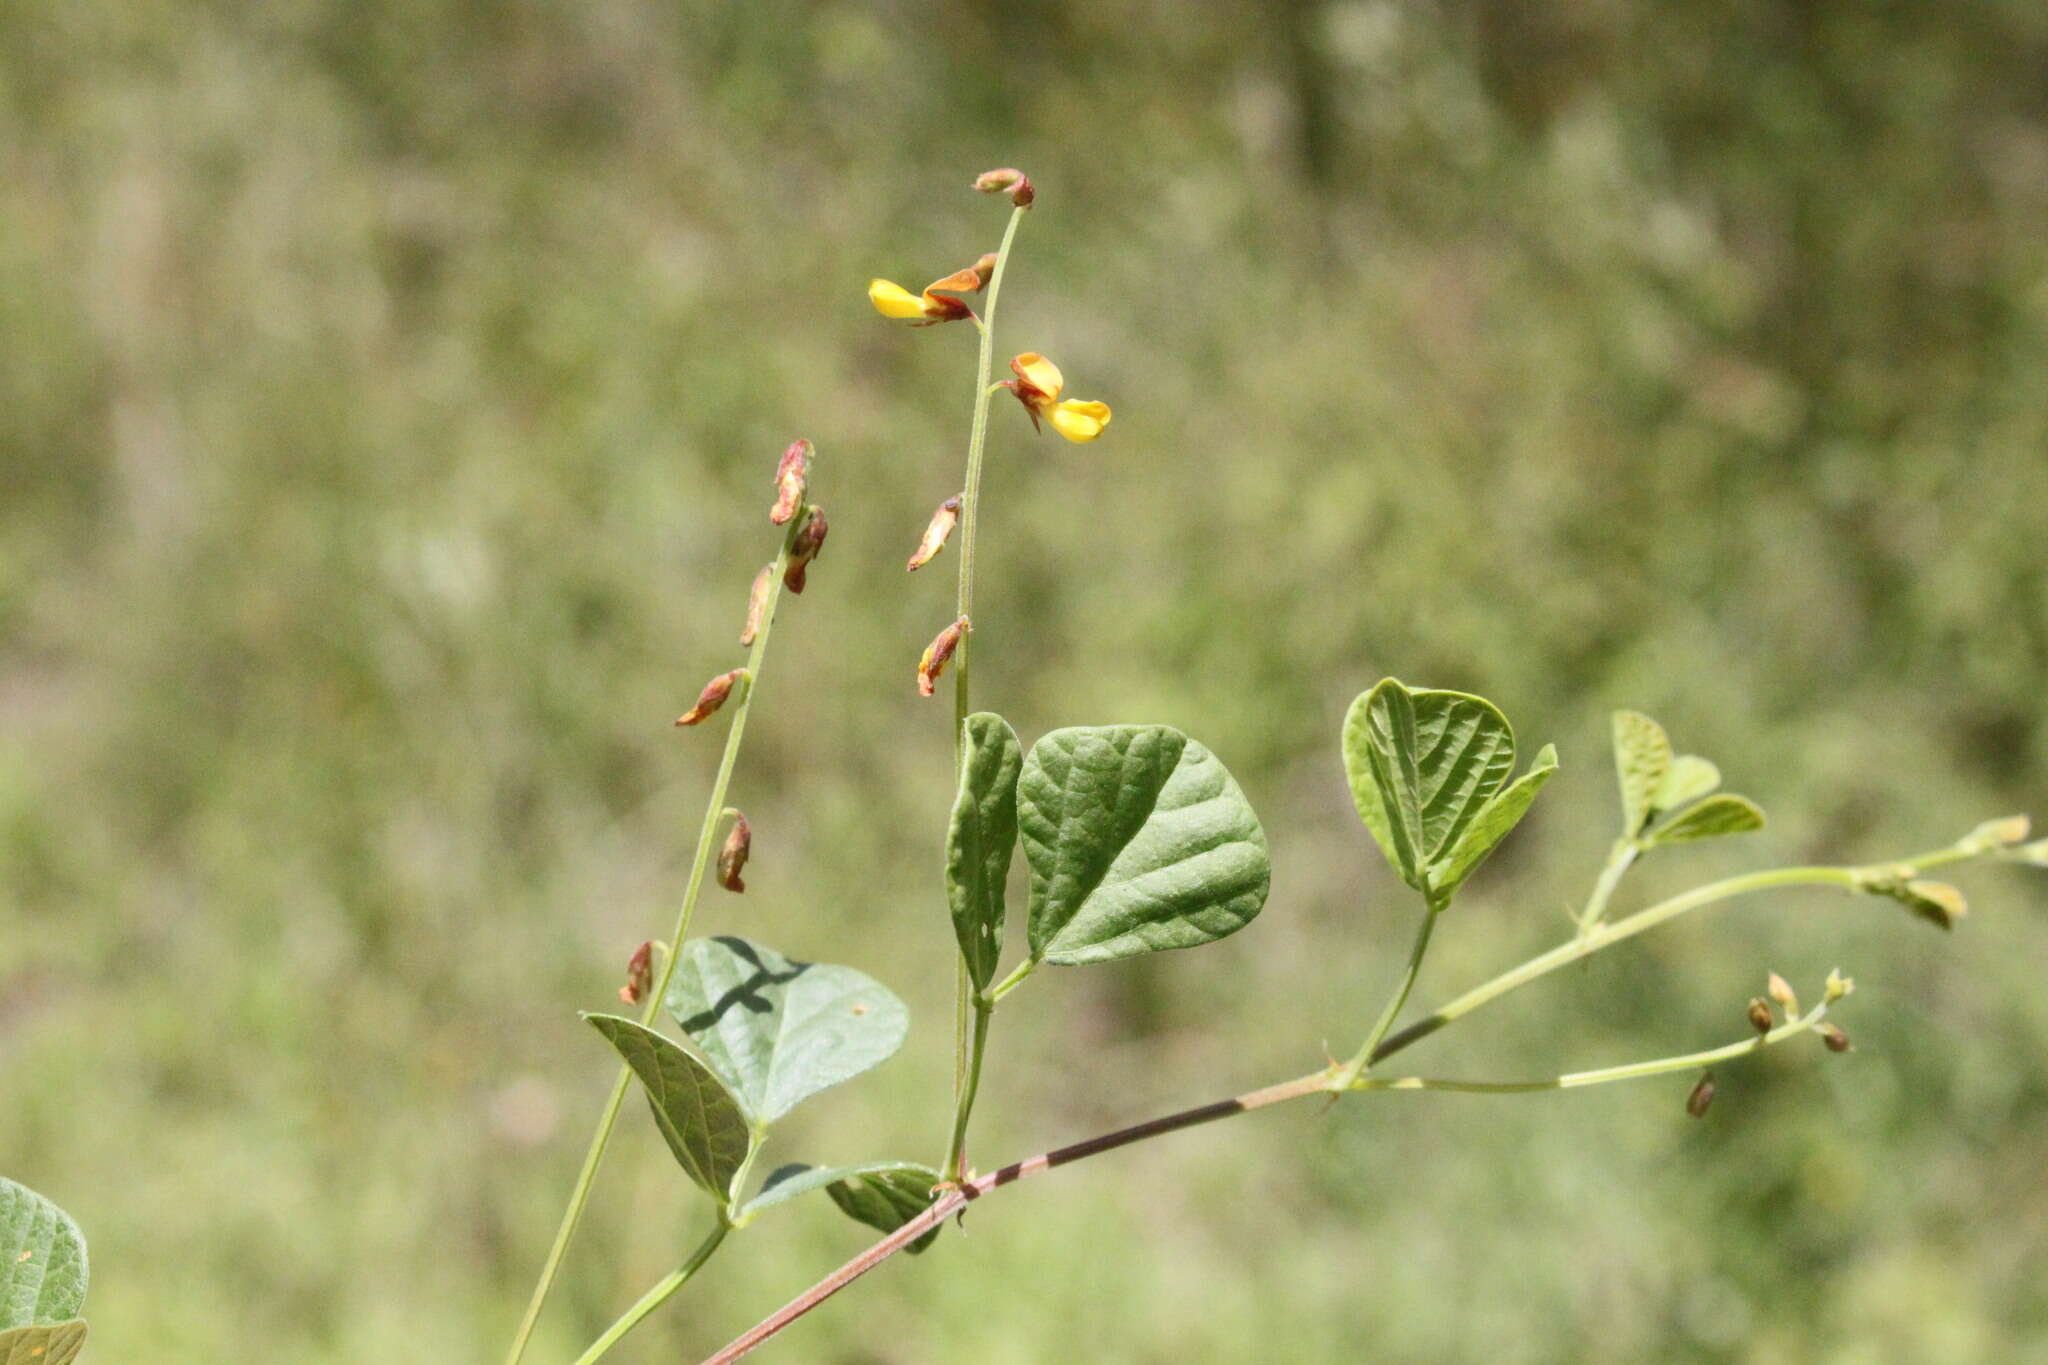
[887,1199]
[58,1345]
[1138,840]
[1500,814]
[981,840]
[796,1179]
[42,1260]
[703,1123]
[1710,819]
[1422,764]
[779,1031]
[1642,760]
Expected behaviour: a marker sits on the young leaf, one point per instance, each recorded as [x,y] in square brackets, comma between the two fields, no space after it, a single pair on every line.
[981,841]
[1689,778]
[1499,815]
[702,1122]
[42,1260]
[1138,839]
[789,1182]
[1642,760]
[778,1031]
[1710,819]
[886,1200]
[1422,764]
[58,1345]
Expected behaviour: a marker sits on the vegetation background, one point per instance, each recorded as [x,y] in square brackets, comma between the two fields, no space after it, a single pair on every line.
[388,393]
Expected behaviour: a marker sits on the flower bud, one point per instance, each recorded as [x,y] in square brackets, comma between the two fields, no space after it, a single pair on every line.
[639,974]
[935,535]
[1837,987]
[2035,853]
[1011,179]
[937,655]
[1760,1015]
[985,269]
[792,480]
[1781,991]
[732,858]
[2003,833]
[757,603]
[1836,1040]
[804,549]
[712,697]
[1702,1095]
[1936,902]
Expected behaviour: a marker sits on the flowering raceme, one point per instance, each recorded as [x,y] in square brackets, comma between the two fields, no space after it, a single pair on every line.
[1037,386]
[892,300]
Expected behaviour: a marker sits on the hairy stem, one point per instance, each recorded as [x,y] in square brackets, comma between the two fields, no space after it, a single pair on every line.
[658,1295]
[1333,1079]
[707,836]
[966,1053]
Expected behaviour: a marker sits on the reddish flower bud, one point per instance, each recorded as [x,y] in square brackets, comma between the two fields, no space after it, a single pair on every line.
[1760,1015]
[1011,179]
[1836,1040]
[804,549]
[792,479]
[712,697]
[936,534]
[937,655]
[757,603]
[639,974]
[1702,1095]
[732,858]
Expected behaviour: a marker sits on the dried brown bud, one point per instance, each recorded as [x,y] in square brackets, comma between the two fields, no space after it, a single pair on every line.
[792,480]
[1836,1040]
[1760,1015]
[712,697]
[732,858]
[1781,991]
[1702,1095]
[935,535]
[804,549]
[937,655]
[757,603]
[1011,179]
[639,974]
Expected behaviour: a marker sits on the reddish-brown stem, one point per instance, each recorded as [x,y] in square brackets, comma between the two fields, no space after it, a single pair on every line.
[946,1205]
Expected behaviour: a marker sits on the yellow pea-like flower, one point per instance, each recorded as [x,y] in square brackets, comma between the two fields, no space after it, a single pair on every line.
[1038,386]
[892,300]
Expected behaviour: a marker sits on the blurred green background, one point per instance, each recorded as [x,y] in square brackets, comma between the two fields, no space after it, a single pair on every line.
[388,395]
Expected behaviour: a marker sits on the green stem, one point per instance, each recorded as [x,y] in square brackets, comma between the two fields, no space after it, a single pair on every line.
[1357,1065]
[1690,1061]
[714,809]
[655,1297]
[956,1145]
[1619,861]
[966,1054]
[1015,979]
[1605,935]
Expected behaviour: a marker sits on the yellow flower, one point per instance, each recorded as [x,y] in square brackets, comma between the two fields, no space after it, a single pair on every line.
[1037,386]
[892,300]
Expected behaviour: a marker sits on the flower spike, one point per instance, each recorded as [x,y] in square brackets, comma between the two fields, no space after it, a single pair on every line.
[1038,385]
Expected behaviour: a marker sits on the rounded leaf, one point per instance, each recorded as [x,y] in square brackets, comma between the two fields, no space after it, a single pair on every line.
[42,1260]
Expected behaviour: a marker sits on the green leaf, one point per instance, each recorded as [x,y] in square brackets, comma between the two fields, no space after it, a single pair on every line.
[981,841]
[886,1200]
[779,1031]
[789,1182]
[1710,819]
[42,1260]
[1492,824]
[703,1123]
[1422,764]
[1689,778]
[58,1345]
[1642,760]
[1138,839]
